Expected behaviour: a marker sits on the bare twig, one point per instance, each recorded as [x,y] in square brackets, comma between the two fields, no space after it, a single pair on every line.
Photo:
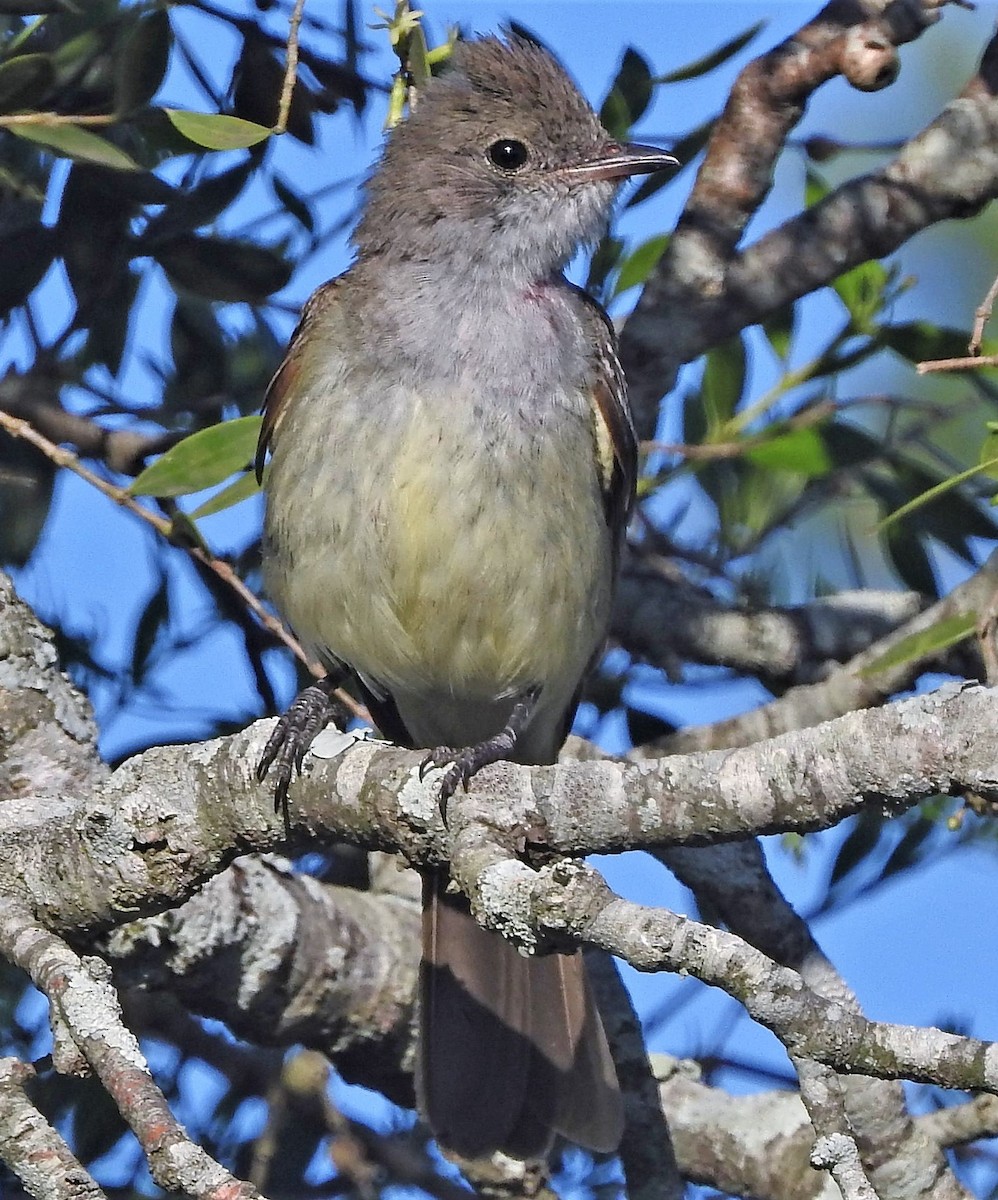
[291,69]
[19,428]
[982,314]
[32,1148]
[80,992]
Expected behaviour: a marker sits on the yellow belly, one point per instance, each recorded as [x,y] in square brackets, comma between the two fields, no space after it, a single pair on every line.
[474,572]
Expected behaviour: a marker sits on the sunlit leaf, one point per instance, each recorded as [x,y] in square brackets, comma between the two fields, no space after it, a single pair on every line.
[723,382]
[815,188]
[216,131]
[926,643]
[205,459]
[862,290]
[799,450]
[240,489]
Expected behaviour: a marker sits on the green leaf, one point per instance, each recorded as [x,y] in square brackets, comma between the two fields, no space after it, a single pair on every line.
[800,450]
[216,131]
[240,489]
[862,290]
[714,59]
[223,268]
[24,81]
[987,467]
[640,263]
[815,188]
[26,253]
[141,61]
[605,258]
[920,340]
[203,460]
[70,141]
[723,382]
[927,643]
[989,456]
[629,96]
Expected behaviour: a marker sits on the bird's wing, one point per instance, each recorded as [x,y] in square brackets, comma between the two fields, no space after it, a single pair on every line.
[613,428]
[282,384]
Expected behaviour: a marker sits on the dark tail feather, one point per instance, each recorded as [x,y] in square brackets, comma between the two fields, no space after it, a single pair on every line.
[512,1049]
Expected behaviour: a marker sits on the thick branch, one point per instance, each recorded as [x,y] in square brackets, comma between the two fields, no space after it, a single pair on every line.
[702,292]
[664,618]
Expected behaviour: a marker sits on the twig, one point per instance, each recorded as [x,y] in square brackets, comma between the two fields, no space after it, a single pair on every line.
[50,118]
[89,1011]
[32,1148]
[982,314]
[837,1153]
[19,428]
[957,364]
[291,69]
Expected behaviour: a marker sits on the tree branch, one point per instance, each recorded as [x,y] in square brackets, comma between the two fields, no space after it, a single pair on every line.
[702,292]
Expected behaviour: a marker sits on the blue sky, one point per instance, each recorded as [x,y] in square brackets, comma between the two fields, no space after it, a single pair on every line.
[918,950]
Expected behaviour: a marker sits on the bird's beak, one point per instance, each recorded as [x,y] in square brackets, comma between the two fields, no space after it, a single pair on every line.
[620,160]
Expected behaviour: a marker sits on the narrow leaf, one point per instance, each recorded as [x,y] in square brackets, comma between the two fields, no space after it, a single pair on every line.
[203,460]
[216,131]
[640,263]
[70,141]
[240,489]
[933,493]
[712,60]
[927,643]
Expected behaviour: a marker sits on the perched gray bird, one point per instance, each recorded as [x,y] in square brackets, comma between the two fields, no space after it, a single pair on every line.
[453,468]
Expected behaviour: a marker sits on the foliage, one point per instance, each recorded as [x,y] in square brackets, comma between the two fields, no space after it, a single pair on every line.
[118,208]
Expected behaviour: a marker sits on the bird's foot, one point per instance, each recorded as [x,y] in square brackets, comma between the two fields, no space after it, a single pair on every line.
[467,761]
[307,715]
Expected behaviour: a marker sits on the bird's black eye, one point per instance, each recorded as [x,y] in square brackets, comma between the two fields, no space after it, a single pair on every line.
[508,154]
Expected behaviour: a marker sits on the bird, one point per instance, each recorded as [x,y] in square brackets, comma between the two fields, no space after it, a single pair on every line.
[452,468]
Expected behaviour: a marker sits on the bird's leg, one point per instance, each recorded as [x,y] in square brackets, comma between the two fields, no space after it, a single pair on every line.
[466,761]
[306,716]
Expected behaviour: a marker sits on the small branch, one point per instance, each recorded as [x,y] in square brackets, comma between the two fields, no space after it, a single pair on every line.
[19,428]
[957,364]
[13,120]
[661,617]
[982,314]
[962,1123]
[576,902]
[853,686]
[88,1009]
[703,289]
[291,69]
[837,1153]
[33,1150]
